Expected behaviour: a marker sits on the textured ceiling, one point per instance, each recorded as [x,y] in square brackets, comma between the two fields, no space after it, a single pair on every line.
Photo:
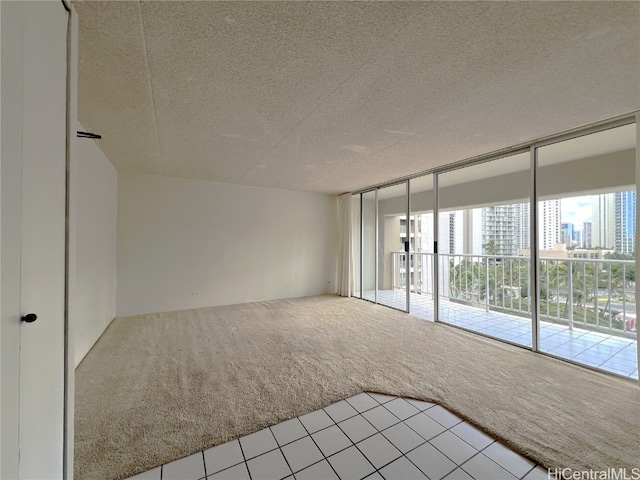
[336,96]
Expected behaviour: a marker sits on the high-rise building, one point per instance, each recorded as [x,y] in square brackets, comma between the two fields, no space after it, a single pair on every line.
[509,227]
[625,221]
[587,235]
[499,230]
[550,232]
[568,234]
[604,221]
[577,237]
[523,226]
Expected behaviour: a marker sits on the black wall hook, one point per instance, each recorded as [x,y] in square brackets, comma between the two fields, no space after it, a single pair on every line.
[88,135]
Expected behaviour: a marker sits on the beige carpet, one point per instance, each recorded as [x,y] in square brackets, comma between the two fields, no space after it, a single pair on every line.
[158,387]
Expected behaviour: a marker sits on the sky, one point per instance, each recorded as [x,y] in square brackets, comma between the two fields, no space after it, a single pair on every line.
[576,210]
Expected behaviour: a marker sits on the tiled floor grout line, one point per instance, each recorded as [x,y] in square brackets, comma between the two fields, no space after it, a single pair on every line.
[378,431]
[404,454]
[353,444]
[312,439]
[478,453]
[457,465]
[281,453]
[245,460]
[356,446]
[528,472]
[278,447]
[324,457]
[434,446]
[449,429]
[204,465]
[298,439]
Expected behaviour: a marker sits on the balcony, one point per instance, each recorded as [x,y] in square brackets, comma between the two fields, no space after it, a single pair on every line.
[587,306]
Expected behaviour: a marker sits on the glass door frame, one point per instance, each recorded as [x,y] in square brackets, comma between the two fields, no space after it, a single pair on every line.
[440,269]
[362,245]
[407,207]
[376,266]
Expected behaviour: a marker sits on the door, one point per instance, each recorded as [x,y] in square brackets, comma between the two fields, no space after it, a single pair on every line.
[483,248]
[394,234]
[368,248]
[43,241]
[422,242]
[34,218]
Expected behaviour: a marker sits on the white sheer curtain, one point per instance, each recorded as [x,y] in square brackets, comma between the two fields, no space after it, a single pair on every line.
[345,272]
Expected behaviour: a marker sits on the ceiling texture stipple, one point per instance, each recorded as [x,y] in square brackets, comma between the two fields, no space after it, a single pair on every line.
[336,96]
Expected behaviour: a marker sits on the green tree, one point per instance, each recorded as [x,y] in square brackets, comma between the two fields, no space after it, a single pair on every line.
[623,273]
[490,248]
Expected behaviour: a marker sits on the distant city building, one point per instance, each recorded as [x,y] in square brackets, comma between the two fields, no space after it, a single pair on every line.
[550,232]
[452,231]
[523,225]
[560,251]
[604,221]
[586,235]
[587,254]
[577,238]
[509,227]
[499,229]
[568,233]
[625,221]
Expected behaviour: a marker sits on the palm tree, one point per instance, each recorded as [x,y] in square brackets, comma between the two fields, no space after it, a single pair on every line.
[490,248]
[582,283]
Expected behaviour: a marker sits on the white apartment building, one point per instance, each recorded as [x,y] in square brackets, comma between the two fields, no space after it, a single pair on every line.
[603,221]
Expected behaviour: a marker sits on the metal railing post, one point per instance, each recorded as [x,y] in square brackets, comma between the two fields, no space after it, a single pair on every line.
[558,289]
[395,271]
[624,297]
[609,297]
[595,305]
[570,297]
[585,294]
[486,286]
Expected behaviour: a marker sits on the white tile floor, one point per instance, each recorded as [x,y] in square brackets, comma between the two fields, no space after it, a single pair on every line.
[369,436]
[606,352]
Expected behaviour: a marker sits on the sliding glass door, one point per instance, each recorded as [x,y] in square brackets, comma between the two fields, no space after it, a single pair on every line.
[395,232]
[587,226]
[369,239]
[421,257]
[484,231]
[535,247]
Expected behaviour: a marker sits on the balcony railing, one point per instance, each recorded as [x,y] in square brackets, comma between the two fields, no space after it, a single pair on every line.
[594,294]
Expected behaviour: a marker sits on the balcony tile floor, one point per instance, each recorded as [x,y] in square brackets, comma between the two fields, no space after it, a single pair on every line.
[416,440]
[606,352]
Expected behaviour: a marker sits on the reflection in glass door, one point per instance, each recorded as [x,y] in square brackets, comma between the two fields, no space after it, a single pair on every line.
[356,244]
[394,234]
[369,246]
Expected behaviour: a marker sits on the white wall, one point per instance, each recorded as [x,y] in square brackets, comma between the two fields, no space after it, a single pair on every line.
[93,210]
[230,243]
